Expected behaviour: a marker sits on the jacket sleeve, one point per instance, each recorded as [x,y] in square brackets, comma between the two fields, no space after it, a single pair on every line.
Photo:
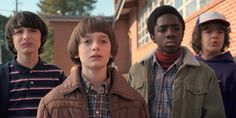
[42,110]
[4,87]
[213,104]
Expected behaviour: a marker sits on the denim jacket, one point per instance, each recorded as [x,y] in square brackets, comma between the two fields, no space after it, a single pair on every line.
[196,90]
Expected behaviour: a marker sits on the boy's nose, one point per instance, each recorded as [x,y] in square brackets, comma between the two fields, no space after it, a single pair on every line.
[26,35]
[95,46]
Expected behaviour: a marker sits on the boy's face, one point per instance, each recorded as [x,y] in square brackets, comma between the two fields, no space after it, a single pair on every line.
[26,40]
[168,33]
[212,40]
[94,50]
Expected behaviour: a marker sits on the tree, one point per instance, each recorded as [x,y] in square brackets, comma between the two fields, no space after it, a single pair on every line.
[62,8]
[47,54]
[6,55]
[66,7]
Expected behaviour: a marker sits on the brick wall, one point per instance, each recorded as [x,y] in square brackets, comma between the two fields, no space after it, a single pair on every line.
[226,7]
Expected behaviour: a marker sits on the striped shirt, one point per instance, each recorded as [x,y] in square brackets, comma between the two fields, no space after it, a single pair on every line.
[28,86]
[99,103]
[161,91]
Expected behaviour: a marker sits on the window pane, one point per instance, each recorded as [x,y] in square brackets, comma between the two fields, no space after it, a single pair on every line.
[191,7]
[181,12]
[178,3]
[204,2]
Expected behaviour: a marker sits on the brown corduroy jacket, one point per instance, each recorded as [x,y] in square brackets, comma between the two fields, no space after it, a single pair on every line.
[69,100]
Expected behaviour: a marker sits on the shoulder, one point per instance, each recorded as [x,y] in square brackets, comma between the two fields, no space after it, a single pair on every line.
[203,68]
[49,66]
[142,64]
[53,95]
[121,87]
[4,67]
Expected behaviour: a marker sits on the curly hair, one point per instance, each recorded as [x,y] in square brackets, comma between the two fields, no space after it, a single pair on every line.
[197,37]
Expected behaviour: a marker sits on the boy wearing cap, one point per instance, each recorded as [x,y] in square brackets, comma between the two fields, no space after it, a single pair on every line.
[210,39]
[173,82]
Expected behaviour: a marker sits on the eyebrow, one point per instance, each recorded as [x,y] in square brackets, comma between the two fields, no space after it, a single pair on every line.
[165,25]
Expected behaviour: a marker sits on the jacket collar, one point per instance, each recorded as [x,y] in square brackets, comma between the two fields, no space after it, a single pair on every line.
[119,85]
[188,58]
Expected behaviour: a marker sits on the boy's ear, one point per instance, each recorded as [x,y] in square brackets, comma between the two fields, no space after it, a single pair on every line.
[77,56]
[153,39]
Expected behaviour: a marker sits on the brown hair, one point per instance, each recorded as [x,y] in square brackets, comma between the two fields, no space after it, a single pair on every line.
[197,37]
[25,19]
[90,25]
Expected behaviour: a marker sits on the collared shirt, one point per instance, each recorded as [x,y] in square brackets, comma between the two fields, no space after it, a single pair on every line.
[161,89]
[28,86]
[99,101]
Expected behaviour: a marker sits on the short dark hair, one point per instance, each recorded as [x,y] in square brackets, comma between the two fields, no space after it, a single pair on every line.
[197,37]
[25,19]
[159,11]
[90,25]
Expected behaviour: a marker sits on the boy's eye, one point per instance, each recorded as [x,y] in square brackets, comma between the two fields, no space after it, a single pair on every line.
[161,29]
[207,31]
[177,28]
[104,41]
[220,31]
[87,41]
[33,30]
[17,31]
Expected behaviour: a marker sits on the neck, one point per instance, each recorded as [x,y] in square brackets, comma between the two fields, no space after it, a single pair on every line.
[166,60]
[95,76]
[27,61]
[209,55]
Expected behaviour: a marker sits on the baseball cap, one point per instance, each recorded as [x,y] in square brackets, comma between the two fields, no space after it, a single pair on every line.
[211,16]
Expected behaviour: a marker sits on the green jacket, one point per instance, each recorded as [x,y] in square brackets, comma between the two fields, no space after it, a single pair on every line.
[196,92]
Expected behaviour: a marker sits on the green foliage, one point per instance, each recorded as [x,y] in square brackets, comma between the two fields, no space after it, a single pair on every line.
[66,7]
[62,8]
[47,54]
[6,55]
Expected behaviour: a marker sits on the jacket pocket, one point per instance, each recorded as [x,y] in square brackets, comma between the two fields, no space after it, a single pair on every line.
[138,85]
[196,89]
[194,96]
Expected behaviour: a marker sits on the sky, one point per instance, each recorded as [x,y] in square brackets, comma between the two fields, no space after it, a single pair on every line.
[102,7]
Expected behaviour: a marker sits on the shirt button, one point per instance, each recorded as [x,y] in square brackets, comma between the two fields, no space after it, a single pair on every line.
[97,112]
[32,82]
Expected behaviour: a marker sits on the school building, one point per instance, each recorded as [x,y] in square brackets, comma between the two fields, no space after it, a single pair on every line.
[129,23]
[133,14]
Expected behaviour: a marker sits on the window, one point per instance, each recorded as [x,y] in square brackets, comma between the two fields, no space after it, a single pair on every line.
[204,2]
[143,35]
[191,8]
[178,3]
